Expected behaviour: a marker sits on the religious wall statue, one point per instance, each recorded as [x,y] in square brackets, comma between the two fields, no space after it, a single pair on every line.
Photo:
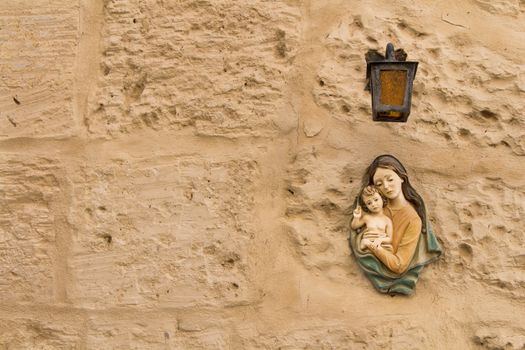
[390,235]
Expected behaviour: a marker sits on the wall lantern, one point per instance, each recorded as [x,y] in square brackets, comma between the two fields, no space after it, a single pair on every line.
[391,80]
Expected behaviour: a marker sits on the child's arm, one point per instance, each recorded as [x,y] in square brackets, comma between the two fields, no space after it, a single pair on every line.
[358,219]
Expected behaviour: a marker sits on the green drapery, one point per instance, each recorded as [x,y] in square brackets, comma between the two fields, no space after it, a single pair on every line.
[385,281]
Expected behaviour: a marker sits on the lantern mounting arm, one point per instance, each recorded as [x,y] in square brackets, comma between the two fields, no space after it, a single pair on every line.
[390,52]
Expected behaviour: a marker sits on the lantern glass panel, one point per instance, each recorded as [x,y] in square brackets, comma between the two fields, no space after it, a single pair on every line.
[393,83]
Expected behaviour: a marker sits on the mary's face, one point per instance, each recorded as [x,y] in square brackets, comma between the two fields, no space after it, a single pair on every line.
[388,182]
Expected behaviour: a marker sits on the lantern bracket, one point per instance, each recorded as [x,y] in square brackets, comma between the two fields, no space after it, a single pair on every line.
[390,52]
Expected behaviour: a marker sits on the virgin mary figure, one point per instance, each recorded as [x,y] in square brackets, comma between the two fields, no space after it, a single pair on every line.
[395,269]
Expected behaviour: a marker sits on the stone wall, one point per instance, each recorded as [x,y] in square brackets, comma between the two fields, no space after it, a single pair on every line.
[178,174]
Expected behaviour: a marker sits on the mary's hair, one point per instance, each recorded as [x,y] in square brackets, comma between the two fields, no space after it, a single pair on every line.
[387,161]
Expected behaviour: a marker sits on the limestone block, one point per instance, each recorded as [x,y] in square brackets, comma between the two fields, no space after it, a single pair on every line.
[151,332]
[164,332]
[317,213]
[28,333]
[476,216]
[216,67]
[500,7]
[130,333]
[37,65]
[400,334]
[29,194]
[164,231]
[507,337]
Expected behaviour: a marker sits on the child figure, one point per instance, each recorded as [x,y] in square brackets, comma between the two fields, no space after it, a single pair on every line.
[378,226]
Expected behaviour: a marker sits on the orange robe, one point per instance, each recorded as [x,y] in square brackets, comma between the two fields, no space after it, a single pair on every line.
[405,237]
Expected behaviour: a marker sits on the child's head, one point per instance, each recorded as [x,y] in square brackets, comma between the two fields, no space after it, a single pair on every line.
[372,199]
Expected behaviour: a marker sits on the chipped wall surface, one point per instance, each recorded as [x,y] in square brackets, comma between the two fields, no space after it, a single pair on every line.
[179,174]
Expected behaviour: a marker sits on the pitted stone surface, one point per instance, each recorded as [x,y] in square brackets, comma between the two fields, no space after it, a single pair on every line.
[27,333]
[217,67]
[37,65]
[176,234]
[30,193]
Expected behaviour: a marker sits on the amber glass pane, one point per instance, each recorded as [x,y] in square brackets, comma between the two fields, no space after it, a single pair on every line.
[393,84]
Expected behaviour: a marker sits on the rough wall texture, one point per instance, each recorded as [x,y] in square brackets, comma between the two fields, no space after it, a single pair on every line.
[178,174]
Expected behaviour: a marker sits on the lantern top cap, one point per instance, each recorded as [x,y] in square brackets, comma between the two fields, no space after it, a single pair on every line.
[391,56]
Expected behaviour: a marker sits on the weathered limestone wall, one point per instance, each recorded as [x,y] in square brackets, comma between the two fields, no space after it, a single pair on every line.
[178,174]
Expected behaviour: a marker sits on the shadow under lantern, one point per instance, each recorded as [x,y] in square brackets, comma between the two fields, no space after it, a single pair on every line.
[391,81]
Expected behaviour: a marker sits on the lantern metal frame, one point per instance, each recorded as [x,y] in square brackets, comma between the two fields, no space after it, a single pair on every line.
[387,112]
